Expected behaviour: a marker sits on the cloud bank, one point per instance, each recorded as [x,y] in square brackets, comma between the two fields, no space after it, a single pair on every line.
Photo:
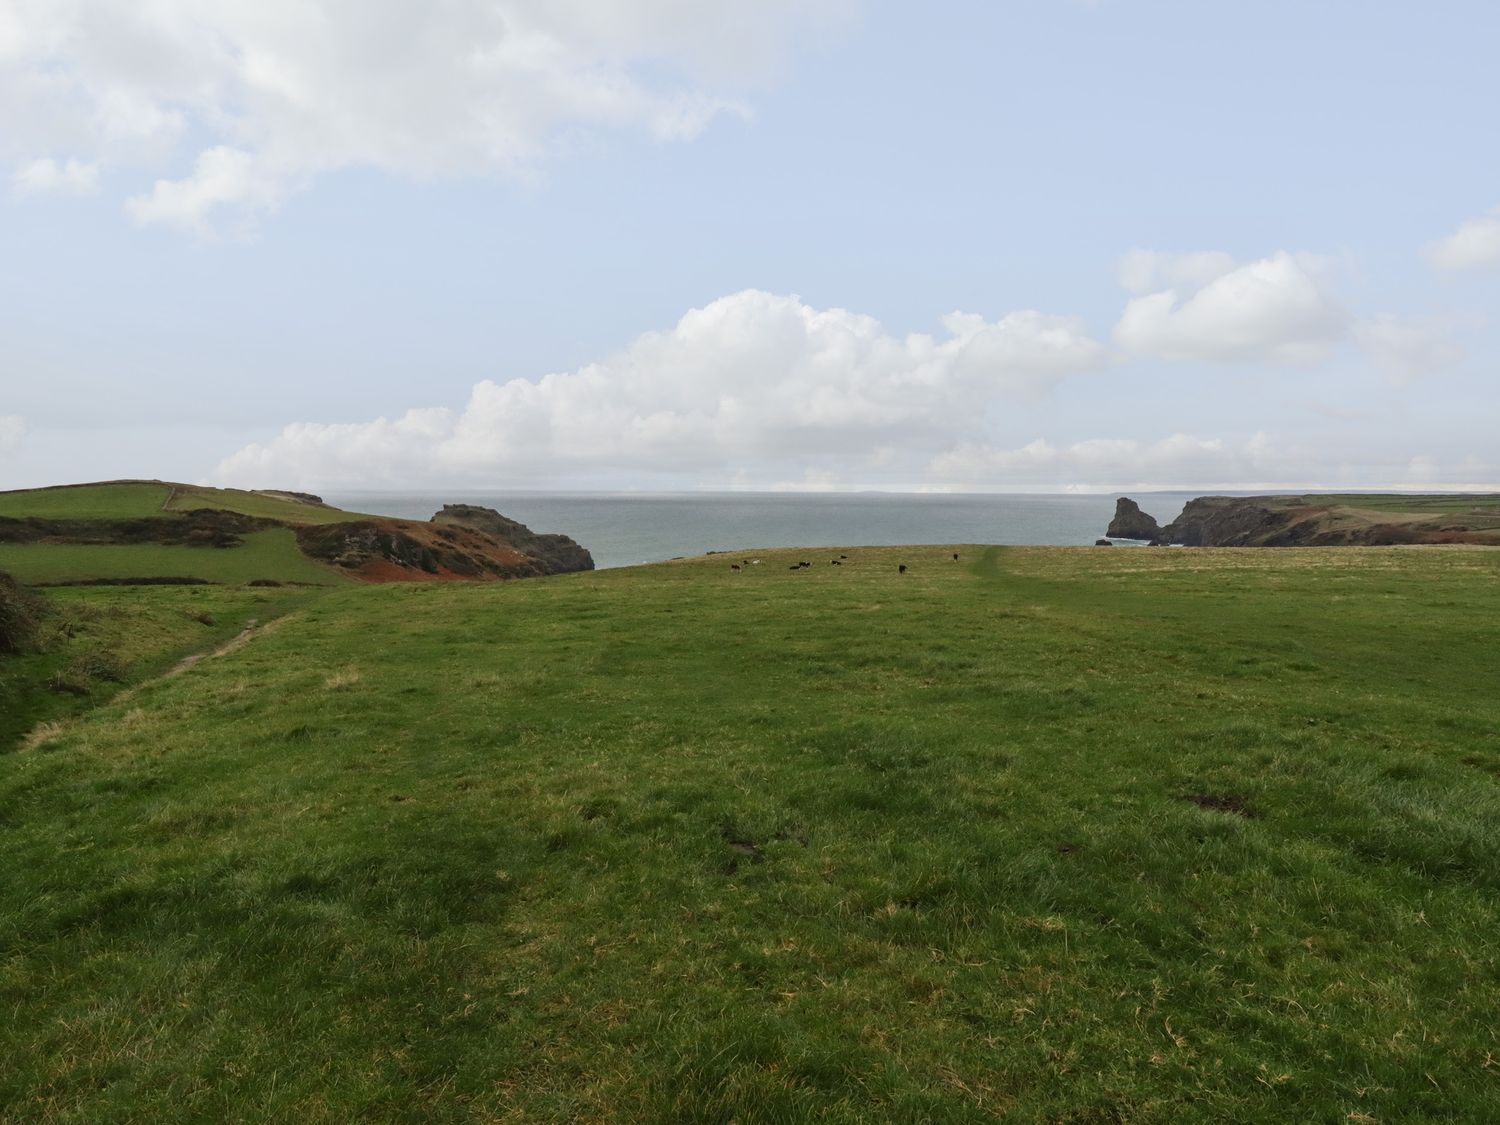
[259,97]
[752,382]
[1180,459]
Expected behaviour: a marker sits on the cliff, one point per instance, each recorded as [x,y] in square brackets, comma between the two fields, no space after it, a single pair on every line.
[1334,521]
[1132,523]
[460,542]
[557,554]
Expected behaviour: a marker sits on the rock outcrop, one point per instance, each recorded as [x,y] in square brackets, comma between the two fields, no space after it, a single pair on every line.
[1132,523]
[462,542]
[557,554]
[1320,521]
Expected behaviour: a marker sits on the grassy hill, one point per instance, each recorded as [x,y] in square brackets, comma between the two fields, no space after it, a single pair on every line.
[1143,835]
[138,499]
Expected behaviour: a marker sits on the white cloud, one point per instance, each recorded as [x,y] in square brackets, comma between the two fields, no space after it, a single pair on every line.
[1257,463]
[221,177]
[1475,245]
[1276,309]
[12,431]
[1147,271]
[280,91]
[45,176]
[1180,459]
[1408,349]
[752,380]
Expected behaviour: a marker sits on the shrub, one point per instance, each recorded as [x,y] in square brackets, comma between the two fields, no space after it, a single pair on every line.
[21,614]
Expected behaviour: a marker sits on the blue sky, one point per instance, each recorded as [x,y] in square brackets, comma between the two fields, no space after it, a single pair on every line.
[658,244]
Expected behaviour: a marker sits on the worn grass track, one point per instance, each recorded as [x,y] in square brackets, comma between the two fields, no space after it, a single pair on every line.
[1067,834]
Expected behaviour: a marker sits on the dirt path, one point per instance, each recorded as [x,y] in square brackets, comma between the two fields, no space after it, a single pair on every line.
[44,731]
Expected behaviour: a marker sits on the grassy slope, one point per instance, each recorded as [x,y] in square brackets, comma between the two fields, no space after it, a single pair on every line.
[269,554]
[135,499]
[122,500]
[186,498]
[1487,507]
[94,642]
[674,843]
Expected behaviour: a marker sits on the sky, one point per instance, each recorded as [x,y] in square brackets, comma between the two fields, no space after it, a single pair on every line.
[975,245]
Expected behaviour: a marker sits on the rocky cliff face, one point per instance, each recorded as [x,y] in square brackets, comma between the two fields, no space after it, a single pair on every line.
[1132,523]
[1227,521]
[460,542]
[1296,521]
[557,554]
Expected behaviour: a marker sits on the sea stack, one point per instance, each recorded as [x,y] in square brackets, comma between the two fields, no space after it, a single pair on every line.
[1132,523]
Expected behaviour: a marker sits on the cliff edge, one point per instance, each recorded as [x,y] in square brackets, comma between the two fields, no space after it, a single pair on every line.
[1332,521]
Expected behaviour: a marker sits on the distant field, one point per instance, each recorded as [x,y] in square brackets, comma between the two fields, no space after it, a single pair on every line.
[256,504]
[1064,835]
[87,502]
[135,499]
[1420,505]
[265,554]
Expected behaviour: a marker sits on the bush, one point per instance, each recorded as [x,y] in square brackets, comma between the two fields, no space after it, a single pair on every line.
[21,614]
[84,672]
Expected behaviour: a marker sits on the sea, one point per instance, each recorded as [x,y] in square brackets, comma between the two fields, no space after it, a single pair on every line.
[626,529]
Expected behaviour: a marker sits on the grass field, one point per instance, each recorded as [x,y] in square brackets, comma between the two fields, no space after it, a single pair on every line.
[1433,505]
[97,641]
[123,500]
[271,554]
[1075,835]
[135,499]
[185,498]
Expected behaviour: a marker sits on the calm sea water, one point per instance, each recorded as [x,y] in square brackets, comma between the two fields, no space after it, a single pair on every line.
[624,529]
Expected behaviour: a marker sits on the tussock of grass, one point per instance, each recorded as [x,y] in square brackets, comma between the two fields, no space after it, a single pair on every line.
[1070,835]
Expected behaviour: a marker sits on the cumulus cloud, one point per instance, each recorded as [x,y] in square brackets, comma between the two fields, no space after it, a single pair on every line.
[1277,309]
[45,176]
[751,380]
[1147,271]
[1475,245]
[261,96]
[1408,349]
[12,431]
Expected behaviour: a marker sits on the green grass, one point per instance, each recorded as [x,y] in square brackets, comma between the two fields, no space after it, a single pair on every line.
[269,554]
[1435,505]
[93,642]
[135,499]
[186,498]
[124,500]
[678,844]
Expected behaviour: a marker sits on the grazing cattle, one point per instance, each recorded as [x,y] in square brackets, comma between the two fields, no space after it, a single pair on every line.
[955,556]
[794,567]
[835,562]
[843,556]
[805,563]
[734,566]
[901,569]
[754,562]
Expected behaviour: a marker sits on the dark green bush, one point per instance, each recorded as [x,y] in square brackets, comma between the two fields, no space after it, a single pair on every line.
[21,614]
